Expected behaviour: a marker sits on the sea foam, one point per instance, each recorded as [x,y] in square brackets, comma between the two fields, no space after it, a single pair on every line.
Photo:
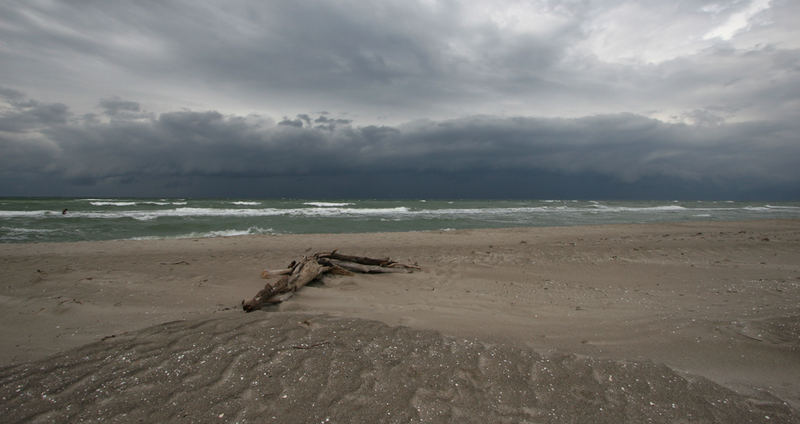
[212,234]
[327,204]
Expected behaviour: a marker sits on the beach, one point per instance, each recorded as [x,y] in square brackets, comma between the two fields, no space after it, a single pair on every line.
[659,322]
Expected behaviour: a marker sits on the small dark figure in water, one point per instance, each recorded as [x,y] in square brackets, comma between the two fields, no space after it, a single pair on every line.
[64,212]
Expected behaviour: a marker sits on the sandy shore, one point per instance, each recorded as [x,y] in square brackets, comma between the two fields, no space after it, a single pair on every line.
[622,323]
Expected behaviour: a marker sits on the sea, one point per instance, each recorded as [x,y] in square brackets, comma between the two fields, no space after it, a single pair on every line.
[34,220]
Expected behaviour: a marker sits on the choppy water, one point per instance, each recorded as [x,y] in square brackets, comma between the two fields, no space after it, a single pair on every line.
[41,220]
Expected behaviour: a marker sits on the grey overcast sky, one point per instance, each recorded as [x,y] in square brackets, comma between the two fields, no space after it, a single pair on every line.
[597,99]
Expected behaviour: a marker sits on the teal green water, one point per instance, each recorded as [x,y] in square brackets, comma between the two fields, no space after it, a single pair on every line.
[41,220]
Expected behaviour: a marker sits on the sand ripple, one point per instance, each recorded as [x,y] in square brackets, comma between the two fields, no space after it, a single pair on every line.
[286,367]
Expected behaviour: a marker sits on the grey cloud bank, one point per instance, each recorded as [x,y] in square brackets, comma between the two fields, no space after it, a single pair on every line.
[588,99]
[47,149]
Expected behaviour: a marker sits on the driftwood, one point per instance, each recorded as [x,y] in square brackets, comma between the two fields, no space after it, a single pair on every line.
[309,268]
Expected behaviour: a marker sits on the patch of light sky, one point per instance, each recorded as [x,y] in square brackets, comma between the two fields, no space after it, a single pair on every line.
[520,17]
[635,33]
[627,33]
[737,21]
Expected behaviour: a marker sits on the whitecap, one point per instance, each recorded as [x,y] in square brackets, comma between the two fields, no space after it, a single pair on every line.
[106,203]
[213,234]
[793,208]
[26,214]
[21,230]
[162,203]
[666,208]
[328,204]
[186,212]
[335,211]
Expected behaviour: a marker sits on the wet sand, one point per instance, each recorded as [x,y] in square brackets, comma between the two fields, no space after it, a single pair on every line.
[621,323]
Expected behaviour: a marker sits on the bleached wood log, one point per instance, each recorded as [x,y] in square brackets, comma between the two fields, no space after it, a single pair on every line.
[363,260]
[366,269]
[303,273]
[270,273]
[299,273]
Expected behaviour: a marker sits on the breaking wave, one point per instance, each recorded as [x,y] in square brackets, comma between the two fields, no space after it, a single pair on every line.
[212,234]
[131,203]
[328,204]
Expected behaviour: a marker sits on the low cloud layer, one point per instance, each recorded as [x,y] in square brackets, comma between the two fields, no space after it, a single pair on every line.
[125,150]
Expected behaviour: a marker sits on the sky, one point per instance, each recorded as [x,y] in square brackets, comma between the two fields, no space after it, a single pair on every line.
[570,99]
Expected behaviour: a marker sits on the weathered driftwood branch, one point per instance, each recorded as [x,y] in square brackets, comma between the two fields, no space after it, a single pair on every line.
[309,268]
[269,273]
[363,269]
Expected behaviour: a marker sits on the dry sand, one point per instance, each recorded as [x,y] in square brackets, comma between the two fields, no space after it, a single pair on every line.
[680,322]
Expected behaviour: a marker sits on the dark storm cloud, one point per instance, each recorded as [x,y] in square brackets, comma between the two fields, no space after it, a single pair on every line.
[11,95]
[305,118]
[325,120]
[116,106]
[291,122]
[321,122]
[622,149]
[25,115]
